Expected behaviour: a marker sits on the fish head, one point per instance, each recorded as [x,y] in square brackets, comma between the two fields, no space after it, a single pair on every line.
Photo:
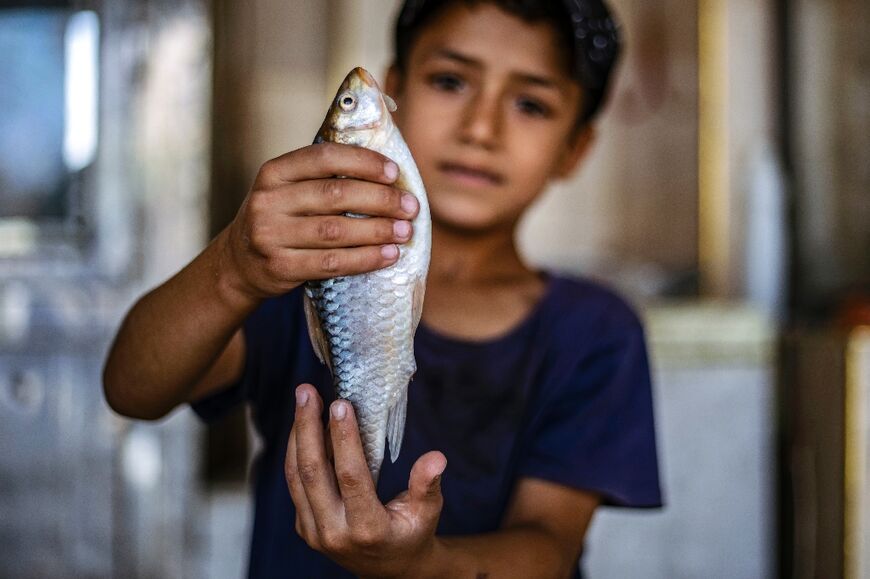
[358,110]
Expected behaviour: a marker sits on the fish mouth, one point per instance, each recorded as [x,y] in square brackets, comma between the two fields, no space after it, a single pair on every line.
[471,174]
[365,127]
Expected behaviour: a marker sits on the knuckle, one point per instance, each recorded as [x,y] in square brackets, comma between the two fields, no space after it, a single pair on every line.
[332,541]
[349,481]
[362,156]
[268,170]
[366,536]
[291,473]
[329,230]
[329,262]
[324,151]
[311,539]
[258,234]
[389,199]
[257,203]
[320,153]
[333,189]
[307,473]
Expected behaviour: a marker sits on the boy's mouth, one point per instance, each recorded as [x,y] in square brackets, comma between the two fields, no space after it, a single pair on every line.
[473,176]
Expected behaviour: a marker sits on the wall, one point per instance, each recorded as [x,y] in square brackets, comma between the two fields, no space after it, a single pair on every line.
[830,127]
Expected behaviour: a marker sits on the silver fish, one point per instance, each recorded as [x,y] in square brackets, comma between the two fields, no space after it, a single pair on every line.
[363,326]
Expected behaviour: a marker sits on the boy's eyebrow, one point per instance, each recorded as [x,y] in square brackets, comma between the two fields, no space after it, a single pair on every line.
[458,56]
[530,78]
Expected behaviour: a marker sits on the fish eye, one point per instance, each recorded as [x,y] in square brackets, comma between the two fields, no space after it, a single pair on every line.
[347,102]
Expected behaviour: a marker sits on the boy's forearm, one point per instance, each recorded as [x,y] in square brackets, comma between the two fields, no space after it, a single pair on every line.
[517,552]
[173,335]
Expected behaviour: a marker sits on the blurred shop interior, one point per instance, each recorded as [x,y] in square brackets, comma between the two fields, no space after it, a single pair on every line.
[728,197]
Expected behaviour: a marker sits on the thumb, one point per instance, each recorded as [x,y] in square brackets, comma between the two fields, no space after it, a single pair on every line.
[424,485]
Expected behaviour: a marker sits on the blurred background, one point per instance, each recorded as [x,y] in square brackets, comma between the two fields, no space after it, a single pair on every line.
[728,197]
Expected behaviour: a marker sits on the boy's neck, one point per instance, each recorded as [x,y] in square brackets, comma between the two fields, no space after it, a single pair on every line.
[475,258]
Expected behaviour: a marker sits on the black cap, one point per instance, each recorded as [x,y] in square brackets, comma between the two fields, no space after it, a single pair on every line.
[595,38]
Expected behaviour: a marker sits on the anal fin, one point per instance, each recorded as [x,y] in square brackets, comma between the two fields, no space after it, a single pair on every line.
[396,424]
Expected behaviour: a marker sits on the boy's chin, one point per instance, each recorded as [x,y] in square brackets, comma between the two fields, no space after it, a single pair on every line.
[469,223]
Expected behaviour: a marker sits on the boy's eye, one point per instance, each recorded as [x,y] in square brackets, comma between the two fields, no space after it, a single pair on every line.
[447,82]
[532,107]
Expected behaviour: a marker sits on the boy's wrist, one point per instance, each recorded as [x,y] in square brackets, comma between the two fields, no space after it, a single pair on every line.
[426,564]
[430,563]
[232,290]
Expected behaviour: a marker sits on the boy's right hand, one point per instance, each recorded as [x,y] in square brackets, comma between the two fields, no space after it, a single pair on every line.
[291,227]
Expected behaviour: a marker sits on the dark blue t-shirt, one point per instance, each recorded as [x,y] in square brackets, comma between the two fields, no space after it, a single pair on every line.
[565,397]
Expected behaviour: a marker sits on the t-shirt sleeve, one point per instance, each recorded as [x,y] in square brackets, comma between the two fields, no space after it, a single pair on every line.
[266,331]
[218,404]
[596,430]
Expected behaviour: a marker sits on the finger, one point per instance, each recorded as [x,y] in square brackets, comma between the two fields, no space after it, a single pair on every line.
[312,264]
[336,232]
[363,510]
[334,196]
[314,469]
[424,484]
[304,516]
[330,452]
[327,160]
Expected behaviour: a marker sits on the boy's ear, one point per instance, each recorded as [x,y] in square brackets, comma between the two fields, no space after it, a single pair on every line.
[578,146]
[393,82]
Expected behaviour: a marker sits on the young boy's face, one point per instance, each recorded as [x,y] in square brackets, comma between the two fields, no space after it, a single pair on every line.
[489,111]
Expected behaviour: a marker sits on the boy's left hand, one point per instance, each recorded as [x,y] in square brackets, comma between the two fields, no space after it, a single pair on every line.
[337,509]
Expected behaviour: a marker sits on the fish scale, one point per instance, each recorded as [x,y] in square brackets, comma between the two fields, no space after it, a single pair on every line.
[370,361]
[363,326]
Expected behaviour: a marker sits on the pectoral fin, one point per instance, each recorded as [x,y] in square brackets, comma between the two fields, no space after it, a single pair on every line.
[315,332]
[391,104]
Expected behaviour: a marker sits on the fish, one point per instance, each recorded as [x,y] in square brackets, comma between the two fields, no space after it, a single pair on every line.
[362,326]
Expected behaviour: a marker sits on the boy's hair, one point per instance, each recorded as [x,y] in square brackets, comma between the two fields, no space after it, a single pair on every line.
[586,30]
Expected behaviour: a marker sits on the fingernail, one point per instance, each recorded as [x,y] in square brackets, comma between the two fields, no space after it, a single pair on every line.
[391,170]
[339,410]
[402,229]
[442,469]
[409,203]
[301,397]
[389,251]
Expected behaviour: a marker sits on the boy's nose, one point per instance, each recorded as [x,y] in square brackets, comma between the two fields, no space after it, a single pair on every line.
[482,123]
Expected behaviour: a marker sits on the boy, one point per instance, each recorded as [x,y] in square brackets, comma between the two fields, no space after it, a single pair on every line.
[535,388]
